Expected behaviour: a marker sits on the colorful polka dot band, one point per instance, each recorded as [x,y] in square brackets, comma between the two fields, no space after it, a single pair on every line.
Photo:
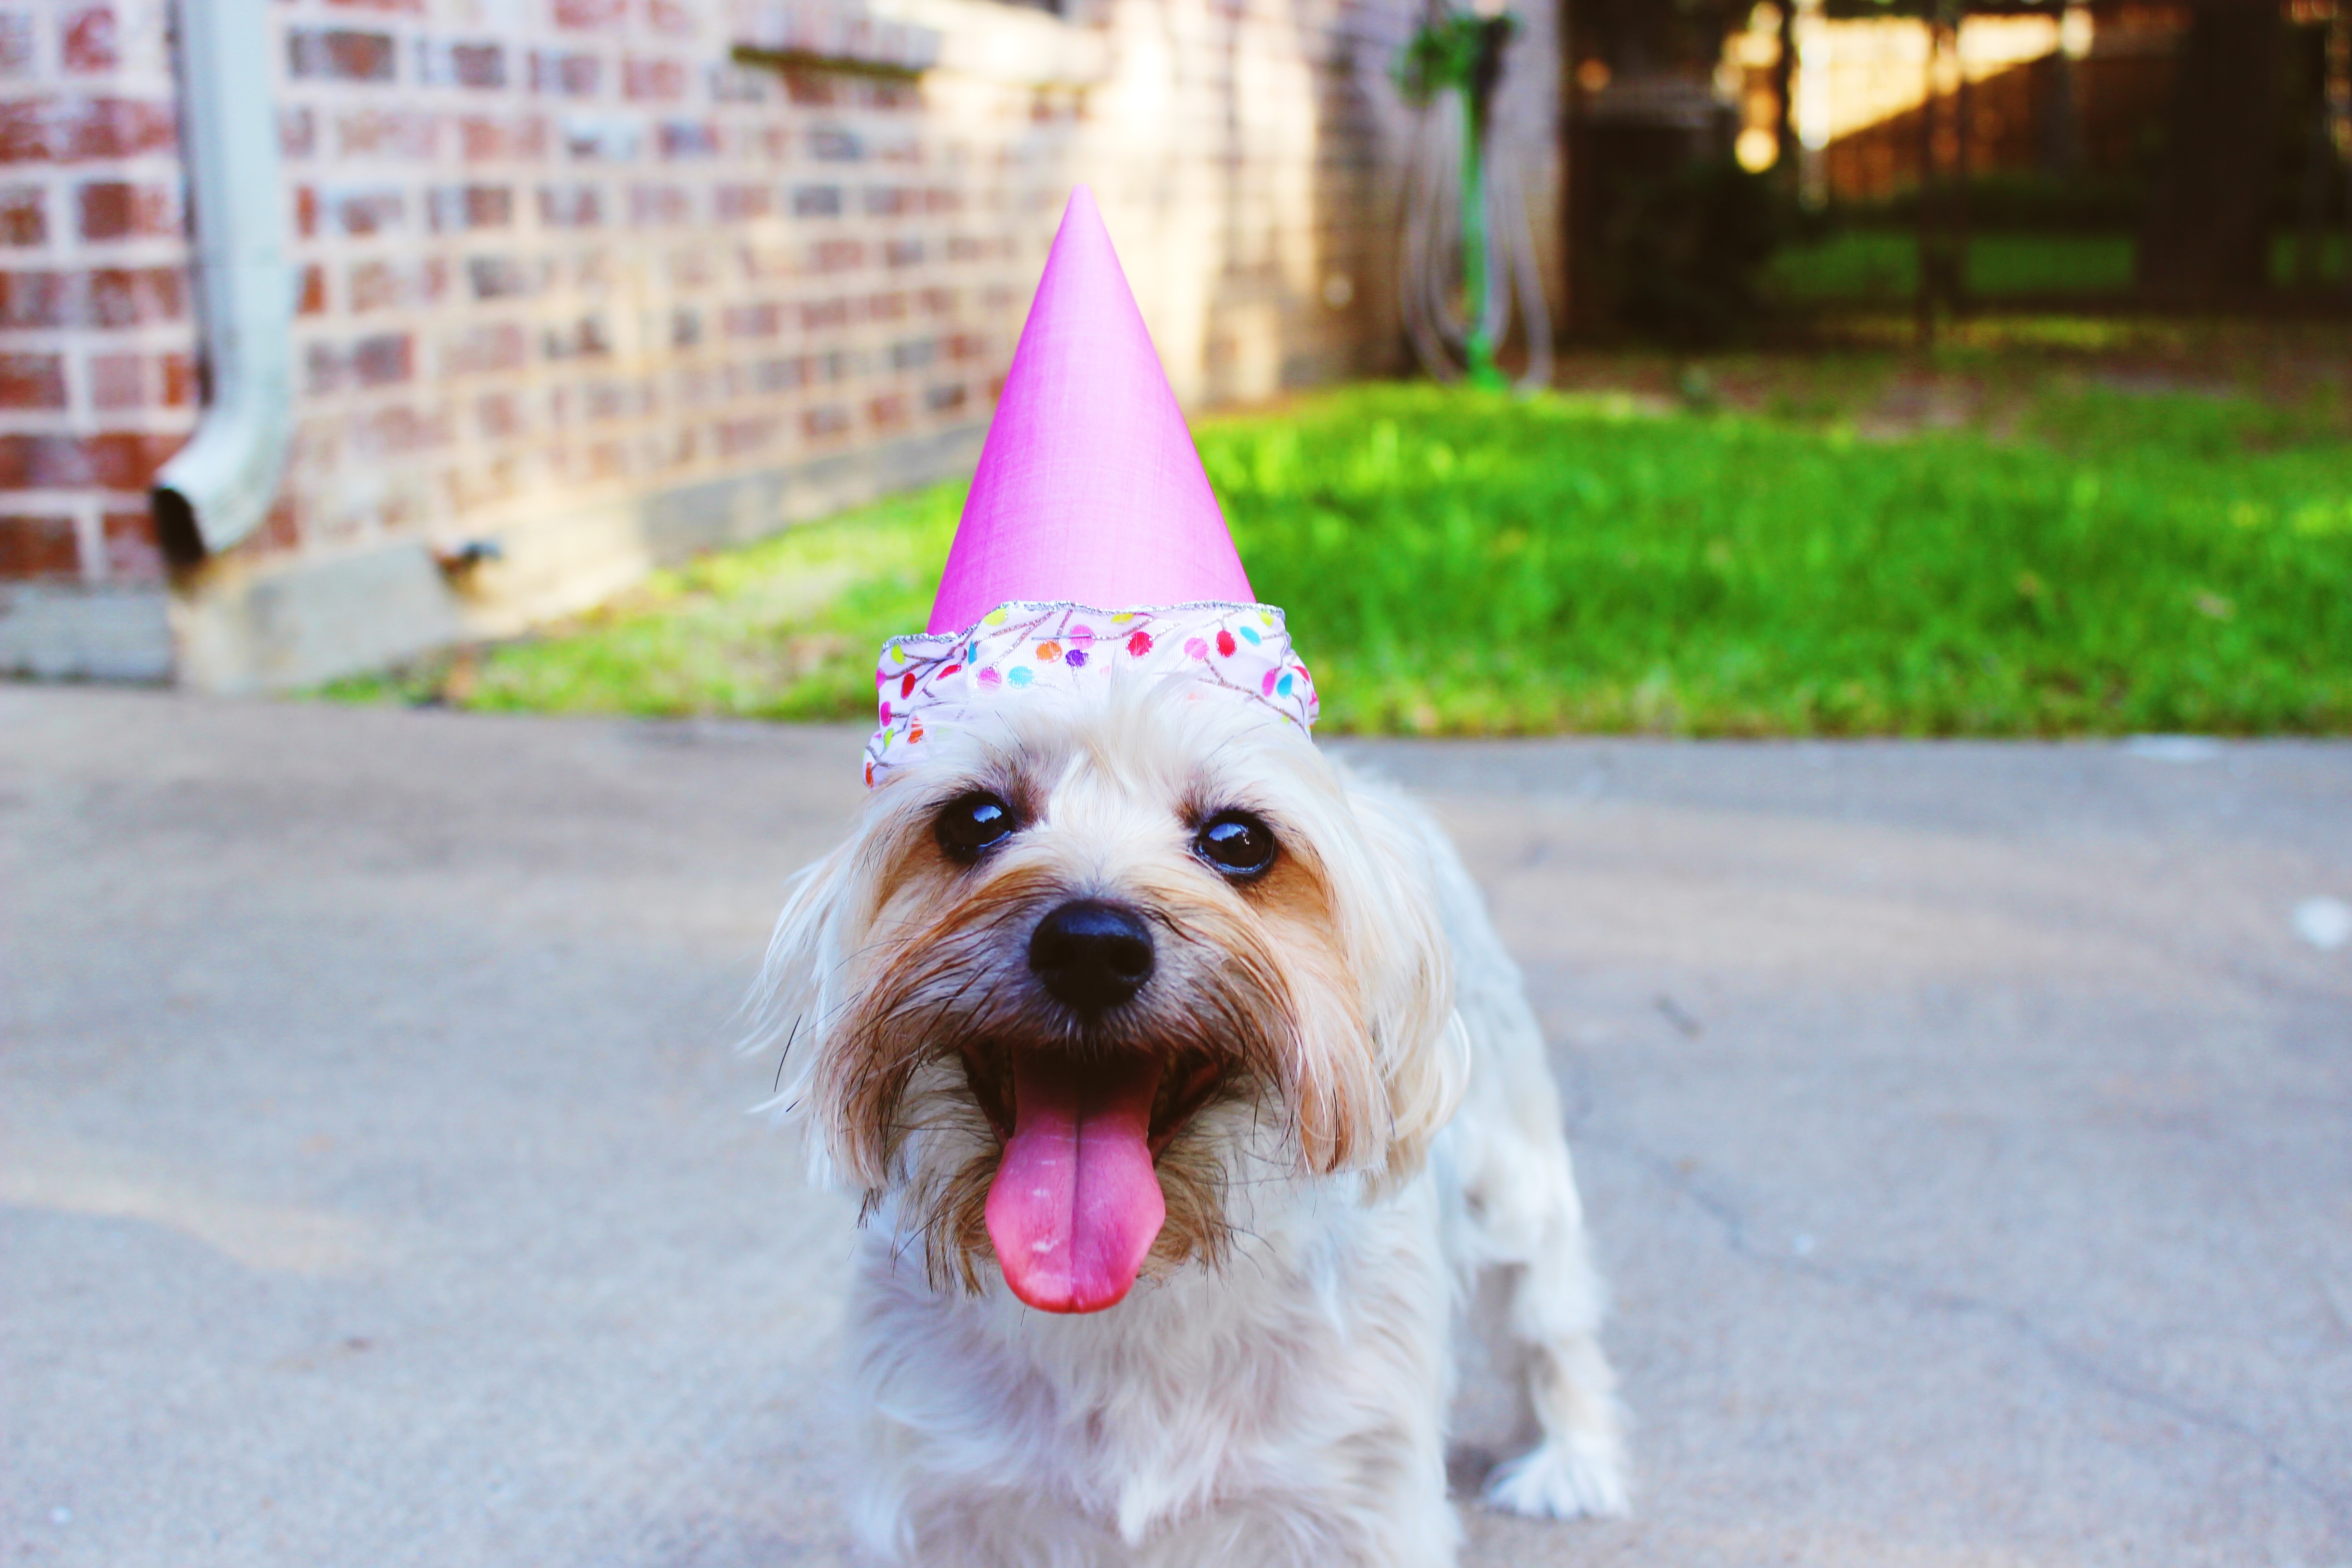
[929,683]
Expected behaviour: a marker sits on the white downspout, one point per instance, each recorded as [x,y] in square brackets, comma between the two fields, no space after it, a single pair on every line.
[219,487]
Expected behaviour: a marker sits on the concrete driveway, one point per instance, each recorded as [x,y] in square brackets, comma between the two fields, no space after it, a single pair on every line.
[1968,1131]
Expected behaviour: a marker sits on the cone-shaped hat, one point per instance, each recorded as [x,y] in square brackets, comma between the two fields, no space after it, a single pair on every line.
[1091,552]
[1089,489]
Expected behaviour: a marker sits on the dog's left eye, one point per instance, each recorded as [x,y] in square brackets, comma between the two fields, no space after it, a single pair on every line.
[972,824]
[1235,842]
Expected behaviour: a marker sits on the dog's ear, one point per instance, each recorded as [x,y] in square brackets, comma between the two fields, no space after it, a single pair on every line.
[786,998]
[798,998]
[1394,934]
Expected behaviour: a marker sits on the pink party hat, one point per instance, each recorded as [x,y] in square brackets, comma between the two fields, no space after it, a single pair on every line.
[1089,489]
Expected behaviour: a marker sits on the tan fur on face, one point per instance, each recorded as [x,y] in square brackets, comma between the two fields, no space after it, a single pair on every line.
[1315,993]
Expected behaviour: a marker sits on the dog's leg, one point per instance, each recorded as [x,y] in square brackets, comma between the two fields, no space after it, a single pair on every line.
[1578,1465]
[1517,1210]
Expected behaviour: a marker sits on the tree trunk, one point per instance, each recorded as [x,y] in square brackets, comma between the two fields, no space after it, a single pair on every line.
[2206,235]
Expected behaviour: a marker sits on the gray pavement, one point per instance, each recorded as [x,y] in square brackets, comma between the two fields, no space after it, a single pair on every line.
[1966,1129]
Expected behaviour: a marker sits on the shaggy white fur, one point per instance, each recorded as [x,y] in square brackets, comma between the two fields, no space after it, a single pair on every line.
[1273,1389]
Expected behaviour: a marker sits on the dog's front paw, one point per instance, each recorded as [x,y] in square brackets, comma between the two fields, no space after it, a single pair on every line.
[1563,1478]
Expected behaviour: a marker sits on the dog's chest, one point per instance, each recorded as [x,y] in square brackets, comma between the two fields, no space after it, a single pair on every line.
[1284,1373]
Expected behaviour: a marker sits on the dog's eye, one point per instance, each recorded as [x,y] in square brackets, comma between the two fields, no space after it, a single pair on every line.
[972,824]
[1236,843]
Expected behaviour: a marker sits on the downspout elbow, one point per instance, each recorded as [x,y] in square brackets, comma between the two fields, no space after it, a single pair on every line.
[217,489]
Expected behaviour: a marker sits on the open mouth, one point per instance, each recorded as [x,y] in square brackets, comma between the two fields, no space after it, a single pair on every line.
[1076,1203]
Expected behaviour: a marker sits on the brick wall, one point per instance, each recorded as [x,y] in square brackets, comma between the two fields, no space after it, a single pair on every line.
[98,378]
[563,262]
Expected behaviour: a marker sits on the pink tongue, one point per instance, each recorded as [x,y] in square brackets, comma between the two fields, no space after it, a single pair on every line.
[1076,1204]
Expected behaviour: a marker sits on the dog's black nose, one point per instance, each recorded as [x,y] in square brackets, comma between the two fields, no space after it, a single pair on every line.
[1091,954]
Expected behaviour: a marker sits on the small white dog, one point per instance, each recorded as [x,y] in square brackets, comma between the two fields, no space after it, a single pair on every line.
[1190,1090]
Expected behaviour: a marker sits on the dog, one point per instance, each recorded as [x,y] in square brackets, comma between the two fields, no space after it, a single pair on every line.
[1190,1092]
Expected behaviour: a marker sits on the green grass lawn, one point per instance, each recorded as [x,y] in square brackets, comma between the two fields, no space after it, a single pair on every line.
[1880,265]
[1459,563]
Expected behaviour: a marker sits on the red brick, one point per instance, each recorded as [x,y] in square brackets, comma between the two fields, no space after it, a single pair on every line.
[127,461]
[658,79]
[565,72]
[737,203]
[670,16]
[90,40]
[297,131]
[117,381]
[341,54]
[132,554]
[117,209]
[374,285]
[388,132]
[493,346]
[832,144]
[381,360]
[484,139]
[756,321]
[474,65]
[654,206]
[809,88]
[134,296]
[38,547]
[183,385]
[39,299]
[322,369]
[838,255]
[591,14]
[740,437]
[829,420]
[689,138]
[499,416]
[117,460]
[279,530]
[32,381]
[313,298]
[399,429]
[371,211]
[65,131]
[889,411]
[458,208]
[23,216]
[584,339]
[282,530]
[497,278]
[570,206]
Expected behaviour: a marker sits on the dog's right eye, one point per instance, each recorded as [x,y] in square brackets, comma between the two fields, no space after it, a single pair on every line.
[972,824]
